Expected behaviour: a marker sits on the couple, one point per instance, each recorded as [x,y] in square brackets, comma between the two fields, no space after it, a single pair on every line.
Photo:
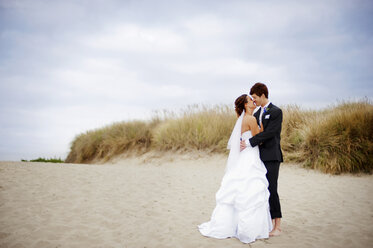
[247,202]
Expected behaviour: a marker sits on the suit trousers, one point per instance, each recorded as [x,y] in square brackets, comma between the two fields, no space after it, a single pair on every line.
[272,177]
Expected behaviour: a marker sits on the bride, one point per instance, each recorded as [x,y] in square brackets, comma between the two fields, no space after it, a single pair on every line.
[242,208]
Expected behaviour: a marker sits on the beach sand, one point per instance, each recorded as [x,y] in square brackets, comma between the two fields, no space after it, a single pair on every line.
[159,201]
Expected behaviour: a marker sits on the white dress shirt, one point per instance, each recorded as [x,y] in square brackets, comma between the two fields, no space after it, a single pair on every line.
[261,112]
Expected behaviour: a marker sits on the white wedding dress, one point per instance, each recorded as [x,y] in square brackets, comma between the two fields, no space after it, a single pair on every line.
[242,208]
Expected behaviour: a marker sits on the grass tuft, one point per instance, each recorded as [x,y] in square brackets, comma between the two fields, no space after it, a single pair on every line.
[110,141]
[50,160]
[341,140]
[198,128]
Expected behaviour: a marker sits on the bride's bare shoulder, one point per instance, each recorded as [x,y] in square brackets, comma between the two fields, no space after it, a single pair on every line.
[250,118]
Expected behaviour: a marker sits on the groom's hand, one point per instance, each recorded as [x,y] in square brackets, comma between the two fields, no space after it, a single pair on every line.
[242,145]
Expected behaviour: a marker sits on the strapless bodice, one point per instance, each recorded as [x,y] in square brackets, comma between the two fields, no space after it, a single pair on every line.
[246,135]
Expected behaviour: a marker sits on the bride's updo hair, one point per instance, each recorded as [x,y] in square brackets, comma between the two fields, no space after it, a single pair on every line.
[240,104]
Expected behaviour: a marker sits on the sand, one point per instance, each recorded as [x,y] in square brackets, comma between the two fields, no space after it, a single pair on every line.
[158,202]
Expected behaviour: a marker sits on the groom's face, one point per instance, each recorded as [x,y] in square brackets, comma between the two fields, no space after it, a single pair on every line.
[257,100]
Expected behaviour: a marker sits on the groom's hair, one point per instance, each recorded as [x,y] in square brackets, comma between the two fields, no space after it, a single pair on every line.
[259,89]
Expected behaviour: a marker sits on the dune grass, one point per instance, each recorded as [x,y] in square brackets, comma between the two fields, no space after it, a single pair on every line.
[111,140]
[341,140]
[335,140]
[197,128]
[45,160]
[295,121]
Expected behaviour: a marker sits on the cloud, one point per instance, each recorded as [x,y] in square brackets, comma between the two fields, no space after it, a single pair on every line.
[135,39]
[70,66]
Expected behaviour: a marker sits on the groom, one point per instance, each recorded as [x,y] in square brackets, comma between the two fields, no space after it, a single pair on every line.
[270,117]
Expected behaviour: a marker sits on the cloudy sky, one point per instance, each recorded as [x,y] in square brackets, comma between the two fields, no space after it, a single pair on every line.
[69,66]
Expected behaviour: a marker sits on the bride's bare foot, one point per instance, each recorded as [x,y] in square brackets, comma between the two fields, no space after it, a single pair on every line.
[275,232]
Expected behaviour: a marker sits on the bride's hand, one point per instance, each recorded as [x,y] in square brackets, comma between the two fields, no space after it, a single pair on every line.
[242,145]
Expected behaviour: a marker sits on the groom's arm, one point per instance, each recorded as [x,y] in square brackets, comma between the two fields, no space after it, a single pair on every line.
[273,128]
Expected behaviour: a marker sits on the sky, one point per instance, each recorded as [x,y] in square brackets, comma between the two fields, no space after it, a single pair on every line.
[70,66]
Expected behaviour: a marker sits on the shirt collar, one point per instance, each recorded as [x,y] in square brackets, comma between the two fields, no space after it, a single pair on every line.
[266,105]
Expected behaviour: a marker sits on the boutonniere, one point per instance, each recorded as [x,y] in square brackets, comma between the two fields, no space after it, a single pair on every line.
[266,110]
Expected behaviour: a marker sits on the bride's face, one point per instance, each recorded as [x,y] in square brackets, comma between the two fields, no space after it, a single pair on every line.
[250,103]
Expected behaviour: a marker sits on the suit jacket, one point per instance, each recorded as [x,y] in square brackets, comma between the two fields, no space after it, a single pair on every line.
[269,139]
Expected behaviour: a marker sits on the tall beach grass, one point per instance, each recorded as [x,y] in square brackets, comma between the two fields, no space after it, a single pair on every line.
[335,140]
[341,140]
[112,140]
[196,128]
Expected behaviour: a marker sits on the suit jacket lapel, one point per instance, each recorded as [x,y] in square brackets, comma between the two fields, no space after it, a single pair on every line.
[257,114]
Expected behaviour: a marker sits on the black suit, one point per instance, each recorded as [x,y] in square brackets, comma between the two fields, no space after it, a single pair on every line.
[270,152]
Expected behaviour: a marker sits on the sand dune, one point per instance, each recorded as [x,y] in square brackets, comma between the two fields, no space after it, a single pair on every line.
[158,202]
